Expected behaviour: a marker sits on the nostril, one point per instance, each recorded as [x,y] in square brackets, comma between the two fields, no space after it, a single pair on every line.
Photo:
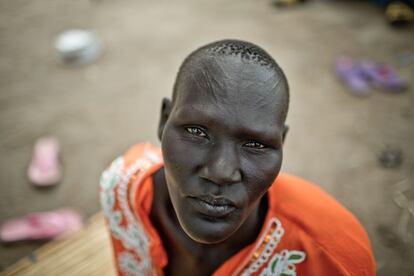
[232,176]
[221,176]
[222,167]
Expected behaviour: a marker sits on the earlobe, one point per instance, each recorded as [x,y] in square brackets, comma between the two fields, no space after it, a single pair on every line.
[165,113]
[285,131]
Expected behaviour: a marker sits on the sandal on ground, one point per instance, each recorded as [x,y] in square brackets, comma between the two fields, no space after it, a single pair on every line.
[382,77]
[41,226]
[349,72]
[399,14]
[44,168]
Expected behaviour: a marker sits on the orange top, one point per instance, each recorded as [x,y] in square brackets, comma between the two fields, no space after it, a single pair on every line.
[306,232]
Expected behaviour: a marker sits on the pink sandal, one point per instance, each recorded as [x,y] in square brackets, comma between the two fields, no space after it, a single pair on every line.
[44,168]
[41,226]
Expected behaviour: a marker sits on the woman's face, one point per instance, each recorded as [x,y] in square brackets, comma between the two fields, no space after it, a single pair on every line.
[222,145]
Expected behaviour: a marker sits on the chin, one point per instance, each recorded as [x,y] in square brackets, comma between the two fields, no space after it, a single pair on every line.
[206,238]
[207,232]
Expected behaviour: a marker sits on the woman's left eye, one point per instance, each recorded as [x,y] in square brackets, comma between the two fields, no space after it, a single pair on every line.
[196,131]
[254,145]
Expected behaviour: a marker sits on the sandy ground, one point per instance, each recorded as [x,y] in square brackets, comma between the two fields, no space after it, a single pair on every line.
[97,111]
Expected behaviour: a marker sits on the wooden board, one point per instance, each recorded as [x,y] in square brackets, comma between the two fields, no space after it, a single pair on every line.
[87,252]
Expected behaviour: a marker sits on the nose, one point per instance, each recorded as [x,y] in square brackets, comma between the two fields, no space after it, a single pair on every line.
[223,165]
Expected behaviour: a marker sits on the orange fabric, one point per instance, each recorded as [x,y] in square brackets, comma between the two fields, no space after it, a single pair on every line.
[143,202]
[313,234]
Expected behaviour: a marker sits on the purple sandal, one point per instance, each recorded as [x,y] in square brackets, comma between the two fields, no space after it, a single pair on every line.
[382,77]
[350,73]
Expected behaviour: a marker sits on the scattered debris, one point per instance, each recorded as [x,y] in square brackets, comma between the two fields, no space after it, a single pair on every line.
[78,46]
[391,157]
[403,201]
[32,257]
[405,58]
[287,3]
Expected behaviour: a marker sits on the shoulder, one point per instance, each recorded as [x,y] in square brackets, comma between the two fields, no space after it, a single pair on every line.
[311,208]
[119,185]
[141,152]
[123,171]
[322,223]
[136,154]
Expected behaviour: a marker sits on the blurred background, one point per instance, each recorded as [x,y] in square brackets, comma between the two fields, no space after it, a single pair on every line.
[342,142]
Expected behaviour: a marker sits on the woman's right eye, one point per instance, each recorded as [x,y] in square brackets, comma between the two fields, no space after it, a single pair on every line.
[196,131]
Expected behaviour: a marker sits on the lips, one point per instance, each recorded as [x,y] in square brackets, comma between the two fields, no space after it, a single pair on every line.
[212,206]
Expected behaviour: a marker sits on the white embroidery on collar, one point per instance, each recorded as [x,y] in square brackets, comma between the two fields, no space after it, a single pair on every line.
[282,263]
[133,236]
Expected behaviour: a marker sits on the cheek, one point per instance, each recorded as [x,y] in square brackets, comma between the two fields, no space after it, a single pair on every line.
[180,157]
[173,152]
[260,173]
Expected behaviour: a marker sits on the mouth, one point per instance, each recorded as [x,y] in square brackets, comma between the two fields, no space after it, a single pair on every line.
[212,206]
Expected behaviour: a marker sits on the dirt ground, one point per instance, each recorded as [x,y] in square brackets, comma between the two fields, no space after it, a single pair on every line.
[98,110]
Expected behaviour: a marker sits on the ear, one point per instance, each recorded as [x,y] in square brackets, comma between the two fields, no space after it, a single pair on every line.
[285,131]
[165,113]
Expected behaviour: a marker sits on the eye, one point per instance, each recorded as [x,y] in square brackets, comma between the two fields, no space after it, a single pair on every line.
[254,145]
[196,131]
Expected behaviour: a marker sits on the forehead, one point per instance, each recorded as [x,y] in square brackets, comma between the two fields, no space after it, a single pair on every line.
[232,87]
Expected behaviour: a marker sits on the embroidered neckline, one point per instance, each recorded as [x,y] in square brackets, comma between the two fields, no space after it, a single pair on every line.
[282,263]
[265,247]
[126,227]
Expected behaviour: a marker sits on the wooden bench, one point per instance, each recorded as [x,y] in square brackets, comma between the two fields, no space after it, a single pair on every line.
[87,252]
